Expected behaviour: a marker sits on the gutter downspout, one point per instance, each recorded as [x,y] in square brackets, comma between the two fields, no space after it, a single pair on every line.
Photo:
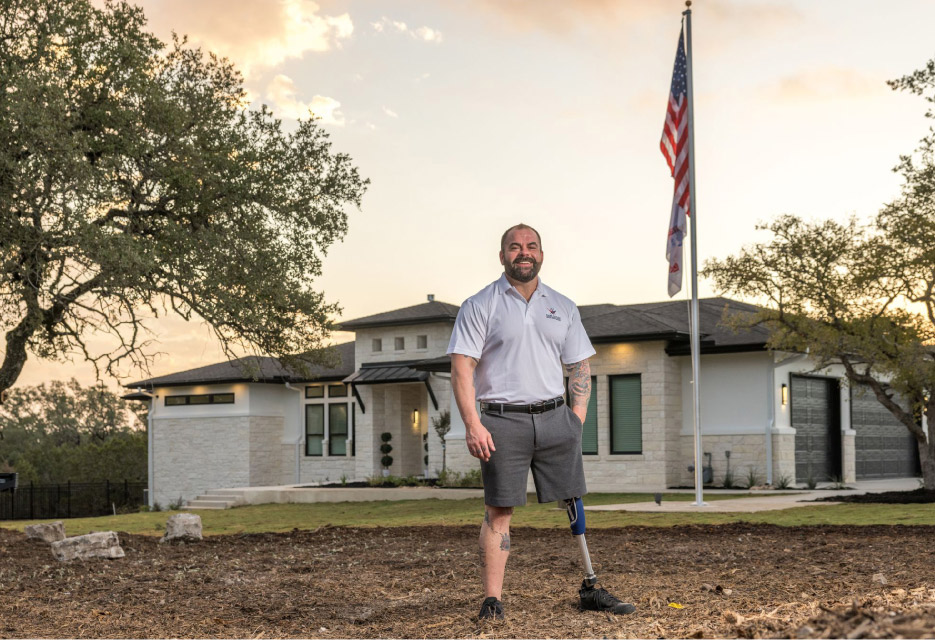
[299,435]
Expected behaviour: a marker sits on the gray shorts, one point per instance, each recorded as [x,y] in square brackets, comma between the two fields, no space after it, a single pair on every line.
[549,442]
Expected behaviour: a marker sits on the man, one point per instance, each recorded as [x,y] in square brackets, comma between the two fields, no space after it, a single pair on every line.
[507,349]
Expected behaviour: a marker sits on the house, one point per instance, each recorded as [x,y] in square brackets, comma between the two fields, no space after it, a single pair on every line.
[256,422]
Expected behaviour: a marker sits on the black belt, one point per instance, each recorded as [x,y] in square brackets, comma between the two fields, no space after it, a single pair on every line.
[530,408]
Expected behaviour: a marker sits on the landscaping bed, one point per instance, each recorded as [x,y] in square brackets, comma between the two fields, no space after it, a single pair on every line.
[730,581]
[917,496]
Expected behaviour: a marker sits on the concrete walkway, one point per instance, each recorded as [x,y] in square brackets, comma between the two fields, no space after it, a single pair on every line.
[761,500]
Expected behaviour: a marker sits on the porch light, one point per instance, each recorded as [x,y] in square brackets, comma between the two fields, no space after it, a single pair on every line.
[785,394]
[415,417]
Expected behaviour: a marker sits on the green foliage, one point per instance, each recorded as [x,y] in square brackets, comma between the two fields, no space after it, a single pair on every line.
[386,460]
[729,480]
[385,448]
[442,423]
[177,504]
[860,296]
[386,436]
[810,482]
[61,431]
[753,477]
[136,180]
[784,482]
[452,479]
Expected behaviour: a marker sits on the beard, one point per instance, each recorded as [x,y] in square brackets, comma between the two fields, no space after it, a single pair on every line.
[523,272]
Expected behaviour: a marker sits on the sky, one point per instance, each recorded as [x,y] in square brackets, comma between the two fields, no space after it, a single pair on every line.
[469,116]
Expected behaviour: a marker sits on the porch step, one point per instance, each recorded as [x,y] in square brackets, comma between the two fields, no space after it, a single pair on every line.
[215,500]
[203,504]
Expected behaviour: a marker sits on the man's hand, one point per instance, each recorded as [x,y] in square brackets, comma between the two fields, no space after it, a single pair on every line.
[479,441]
[477,438]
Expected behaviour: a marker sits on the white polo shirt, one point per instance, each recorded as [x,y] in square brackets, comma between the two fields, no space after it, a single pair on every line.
[520,346]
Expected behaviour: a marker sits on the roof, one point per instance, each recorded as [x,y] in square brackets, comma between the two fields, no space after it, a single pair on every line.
[391,372]
[668,320]
[250,369]
[429,312]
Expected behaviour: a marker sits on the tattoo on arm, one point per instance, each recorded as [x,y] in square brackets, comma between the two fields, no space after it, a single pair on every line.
[579,383]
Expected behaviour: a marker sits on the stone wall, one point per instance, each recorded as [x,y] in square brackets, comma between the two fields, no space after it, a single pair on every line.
[266,466]
[660,380]
[197,454]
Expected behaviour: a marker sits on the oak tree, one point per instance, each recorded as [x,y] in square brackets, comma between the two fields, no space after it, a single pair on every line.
[136,181]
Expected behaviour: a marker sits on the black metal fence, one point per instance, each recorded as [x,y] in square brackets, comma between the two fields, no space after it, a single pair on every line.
[86,499]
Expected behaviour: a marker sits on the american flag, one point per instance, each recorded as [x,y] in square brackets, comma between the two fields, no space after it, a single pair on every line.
[674,145]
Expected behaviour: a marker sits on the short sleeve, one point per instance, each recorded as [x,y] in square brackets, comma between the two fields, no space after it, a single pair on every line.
[470,331]
[577,346]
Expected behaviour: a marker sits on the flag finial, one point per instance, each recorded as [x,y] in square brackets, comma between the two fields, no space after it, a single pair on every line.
[688,4]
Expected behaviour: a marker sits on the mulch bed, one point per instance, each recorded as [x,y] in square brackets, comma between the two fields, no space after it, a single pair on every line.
[731,581]
[917,496]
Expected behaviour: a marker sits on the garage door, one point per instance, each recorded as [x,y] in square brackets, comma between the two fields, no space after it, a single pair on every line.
[883,446]
[816,419]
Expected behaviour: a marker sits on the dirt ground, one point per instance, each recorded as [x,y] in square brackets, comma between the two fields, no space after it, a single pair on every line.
[732,581]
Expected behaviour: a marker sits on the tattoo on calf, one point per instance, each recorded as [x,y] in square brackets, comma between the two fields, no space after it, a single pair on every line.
[487,518]
[483,556]
[504,541]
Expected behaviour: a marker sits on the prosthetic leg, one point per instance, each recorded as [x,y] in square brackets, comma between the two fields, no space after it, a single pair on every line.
[575,509]
[593,598]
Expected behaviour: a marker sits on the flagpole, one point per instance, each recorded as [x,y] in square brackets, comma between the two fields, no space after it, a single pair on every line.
[693,215]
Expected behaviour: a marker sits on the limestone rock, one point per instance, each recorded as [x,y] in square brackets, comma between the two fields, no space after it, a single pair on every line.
[183,526]
[85,547]
[49,532]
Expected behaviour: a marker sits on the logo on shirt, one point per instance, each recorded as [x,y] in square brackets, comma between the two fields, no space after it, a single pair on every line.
[551,314]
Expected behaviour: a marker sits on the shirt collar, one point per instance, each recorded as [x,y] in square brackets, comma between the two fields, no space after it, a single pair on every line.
[503,286]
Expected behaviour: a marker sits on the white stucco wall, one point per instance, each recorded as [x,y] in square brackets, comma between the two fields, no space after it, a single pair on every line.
[437,337]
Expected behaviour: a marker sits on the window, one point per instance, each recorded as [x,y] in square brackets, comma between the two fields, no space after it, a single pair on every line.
[314,429]
[399,343]
[337,429]
[337,390]
[626,407]
[377,345]
[354,423]
[314,392]
[589,430]
[422,342]
[199,400]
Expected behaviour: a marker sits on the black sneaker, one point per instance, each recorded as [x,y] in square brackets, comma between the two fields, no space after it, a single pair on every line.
[598,599]
[491,609]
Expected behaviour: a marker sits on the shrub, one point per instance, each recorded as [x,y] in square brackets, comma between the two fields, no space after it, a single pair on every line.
[784,482]
[753,477]
[387,461]
[729,479]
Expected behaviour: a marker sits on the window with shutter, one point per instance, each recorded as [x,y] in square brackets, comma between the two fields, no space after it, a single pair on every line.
[626,407]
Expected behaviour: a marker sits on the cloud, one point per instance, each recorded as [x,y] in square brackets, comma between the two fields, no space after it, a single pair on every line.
[389,112]
[281,92]
[827,83]
[561,17]
[252,33]
[426,34]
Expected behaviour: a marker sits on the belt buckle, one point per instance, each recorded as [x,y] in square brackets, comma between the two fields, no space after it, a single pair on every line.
[537,408]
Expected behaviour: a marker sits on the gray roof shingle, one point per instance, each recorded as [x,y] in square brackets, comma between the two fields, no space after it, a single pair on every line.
[428,312]
[263,369]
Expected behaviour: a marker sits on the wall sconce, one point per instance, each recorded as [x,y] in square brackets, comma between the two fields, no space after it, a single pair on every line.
[415,417]
[785,394]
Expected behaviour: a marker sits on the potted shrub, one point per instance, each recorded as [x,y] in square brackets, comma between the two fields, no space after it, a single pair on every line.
[386,449]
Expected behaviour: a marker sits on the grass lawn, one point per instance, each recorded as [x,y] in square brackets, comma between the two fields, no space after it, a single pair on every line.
[428,512]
